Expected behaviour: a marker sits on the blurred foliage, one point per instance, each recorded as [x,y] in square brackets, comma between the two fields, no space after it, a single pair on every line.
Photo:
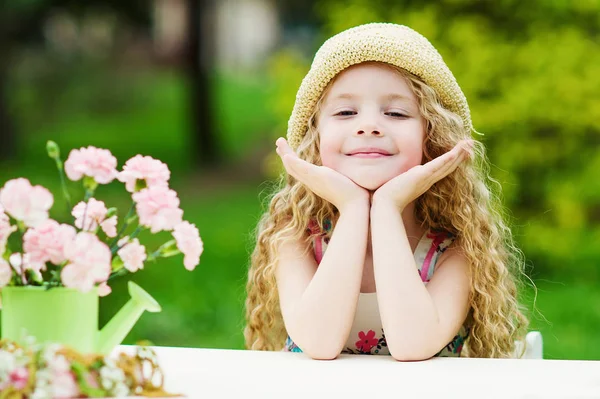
[569,320]
[130,112]
[531,78]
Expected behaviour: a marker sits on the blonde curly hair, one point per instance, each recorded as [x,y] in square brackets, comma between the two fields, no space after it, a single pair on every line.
[466,203]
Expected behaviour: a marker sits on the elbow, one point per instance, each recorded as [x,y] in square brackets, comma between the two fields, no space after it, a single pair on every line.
[410,353]
[410,356]
[412,346]
[315,343]
[318,351]
[318,348]
[322,355]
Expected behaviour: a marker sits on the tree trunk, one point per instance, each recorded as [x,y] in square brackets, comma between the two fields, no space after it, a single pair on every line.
[199,68]
[8,142]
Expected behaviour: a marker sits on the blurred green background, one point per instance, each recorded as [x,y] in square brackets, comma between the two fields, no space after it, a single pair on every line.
[130,77]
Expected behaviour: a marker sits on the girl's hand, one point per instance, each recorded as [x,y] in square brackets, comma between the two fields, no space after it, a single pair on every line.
[408,186]
[325,182]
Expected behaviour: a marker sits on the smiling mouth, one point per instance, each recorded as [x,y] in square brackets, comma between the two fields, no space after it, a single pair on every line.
[369,155]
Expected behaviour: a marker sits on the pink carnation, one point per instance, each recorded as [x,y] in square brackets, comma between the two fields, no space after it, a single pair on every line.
[189,243]
[158,208]
[152,171]
[47,242]
[24,202]
[133,254]
[16,261]
[64,386]
[19,377]
[63,382]
[109,226]
[94,162]
[94,214]
[90,262]
[20,263]
[5,230]
[104,289]
[5,272]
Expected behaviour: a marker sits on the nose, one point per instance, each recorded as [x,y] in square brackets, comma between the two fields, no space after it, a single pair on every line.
[368,129]
[373,132]
[367,125]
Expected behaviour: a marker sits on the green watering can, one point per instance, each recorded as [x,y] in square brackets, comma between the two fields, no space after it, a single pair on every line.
[69,316]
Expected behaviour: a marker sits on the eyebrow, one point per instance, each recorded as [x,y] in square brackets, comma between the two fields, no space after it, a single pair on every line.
[396,96]
[344,96]
[389,97]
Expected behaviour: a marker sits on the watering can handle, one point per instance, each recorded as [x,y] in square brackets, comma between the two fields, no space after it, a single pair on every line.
[113,333]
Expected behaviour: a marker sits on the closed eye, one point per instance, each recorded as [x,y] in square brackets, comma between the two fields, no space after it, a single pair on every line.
[397,114]
[346,113]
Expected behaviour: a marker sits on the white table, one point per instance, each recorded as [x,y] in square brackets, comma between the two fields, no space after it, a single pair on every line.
[215,373]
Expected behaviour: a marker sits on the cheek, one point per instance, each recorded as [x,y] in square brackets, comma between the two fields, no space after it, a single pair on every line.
[412,149]
[414,159]
[329,150]
[417,157]
[409,157]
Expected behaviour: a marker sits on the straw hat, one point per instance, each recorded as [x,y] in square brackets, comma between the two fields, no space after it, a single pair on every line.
[385,42]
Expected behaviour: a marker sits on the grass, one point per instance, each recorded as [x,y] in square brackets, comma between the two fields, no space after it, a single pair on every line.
[569,319]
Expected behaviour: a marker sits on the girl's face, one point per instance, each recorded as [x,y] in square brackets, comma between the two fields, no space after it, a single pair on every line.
[370,128]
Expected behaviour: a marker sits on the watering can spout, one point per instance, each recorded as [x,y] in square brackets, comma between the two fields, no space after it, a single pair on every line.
[115,331]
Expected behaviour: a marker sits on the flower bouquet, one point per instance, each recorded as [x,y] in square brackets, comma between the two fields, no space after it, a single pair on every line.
[47,371]
[51,273]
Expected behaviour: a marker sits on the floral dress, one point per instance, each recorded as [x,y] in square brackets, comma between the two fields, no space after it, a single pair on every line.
[367,336]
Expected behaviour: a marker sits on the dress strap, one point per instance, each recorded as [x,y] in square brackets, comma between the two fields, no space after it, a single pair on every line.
[428,251]
[320,237]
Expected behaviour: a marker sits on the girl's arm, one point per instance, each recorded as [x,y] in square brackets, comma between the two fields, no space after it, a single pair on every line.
[418,320]
[318,303]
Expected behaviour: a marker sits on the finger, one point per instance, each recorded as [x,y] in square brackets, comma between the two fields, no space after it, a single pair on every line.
[290,168]
[451,166]
[282,150]
[299,166]
[445,164]
[439,163]
[283,147]
[279,147]
[299,169]
[448,159]
[470,148]
[305,172]
[293,164]
[461,154]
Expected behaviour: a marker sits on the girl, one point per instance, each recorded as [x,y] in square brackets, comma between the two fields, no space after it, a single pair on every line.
[384,237]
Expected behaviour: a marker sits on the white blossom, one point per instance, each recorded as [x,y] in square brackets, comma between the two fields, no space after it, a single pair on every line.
[8,363]
[112,379]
